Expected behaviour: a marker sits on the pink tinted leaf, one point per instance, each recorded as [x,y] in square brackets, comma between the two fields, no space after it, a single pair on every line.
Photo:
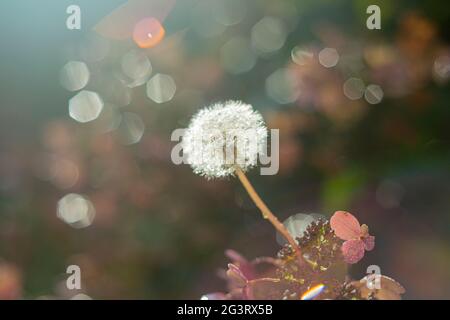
[353,251]
[236,277]
[369,242]
[392,285]
[235,257]
[389,290]
[345,225]
[387,295]
[245,266]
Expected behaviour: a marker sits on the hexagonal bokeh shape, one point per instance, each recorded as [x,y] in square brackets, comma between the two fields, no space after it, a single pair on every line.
[161,88]
[85,106]
[74,75]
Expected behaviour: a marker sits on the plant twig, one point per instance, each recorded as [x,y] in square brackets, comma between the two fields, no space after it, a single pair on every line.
[267,214]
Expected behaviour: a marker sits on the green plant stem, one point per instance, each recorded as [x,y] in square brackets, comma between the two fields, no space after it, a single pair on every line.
[267,214]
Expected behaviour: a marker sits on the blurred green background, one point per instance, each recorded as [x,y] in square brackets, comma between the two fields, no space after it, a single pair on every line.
[364,127]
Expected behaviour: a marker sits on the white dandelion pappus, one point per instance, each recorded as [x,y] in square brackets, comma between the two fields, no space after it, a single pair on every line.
[223,136]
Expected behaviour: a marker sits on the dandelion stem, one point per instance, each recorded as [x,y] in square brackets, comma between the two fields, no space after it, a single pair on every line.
[267,214]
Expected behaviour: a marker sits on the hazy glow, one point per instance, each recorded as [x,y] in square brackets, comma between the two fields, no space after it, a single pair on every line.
[203,20]
[441,68]
[354,88]
[85,106]
[373,94]
[389,194]
[136,65]
[236,56]
[94,48]
[74,75]
[161,88]
[148,32]
[282,86]
[132,83]
[76,210]
[268,35]
[109,119]
[131,128]
[328,57]
[81,296]
[65,173]
[61,171]
[229,12]
[117,93]
[301,56]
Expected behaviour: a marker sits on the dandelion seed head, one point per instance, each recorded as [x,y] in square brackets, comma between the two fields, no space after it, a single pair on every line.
[223,136]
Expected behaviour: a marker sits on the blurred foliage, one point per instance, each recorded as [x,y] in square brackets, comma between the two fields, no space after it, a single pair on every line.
[159,230]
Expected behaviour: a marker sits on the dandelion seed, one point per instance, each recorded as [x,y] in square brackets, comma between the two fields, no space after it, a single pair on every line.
[224,140]
[223,136]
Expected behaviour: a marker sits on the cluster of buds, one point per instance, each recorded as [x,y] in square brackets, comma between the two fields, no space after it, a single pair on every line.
[320,273]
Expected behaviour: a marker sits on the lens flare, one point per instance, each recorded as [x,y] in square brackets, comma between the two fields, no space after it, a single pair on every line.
[313,292]
[148,33]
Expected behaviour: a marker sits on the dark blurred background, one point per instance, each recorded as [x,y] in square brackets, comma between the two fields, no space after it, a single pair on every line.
[363,118]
